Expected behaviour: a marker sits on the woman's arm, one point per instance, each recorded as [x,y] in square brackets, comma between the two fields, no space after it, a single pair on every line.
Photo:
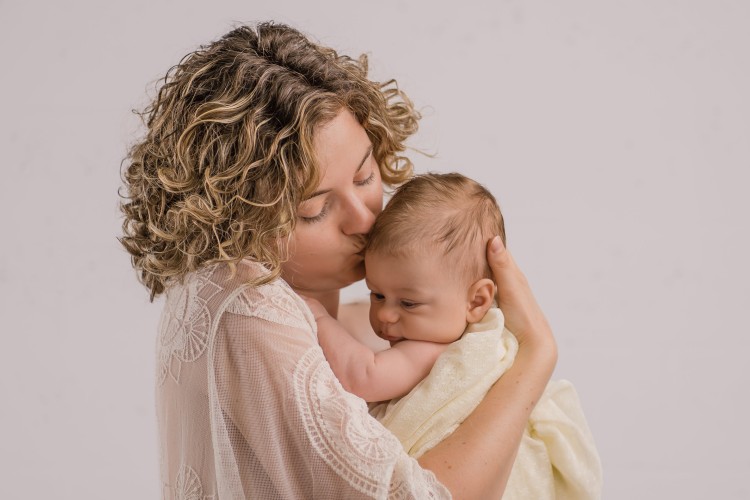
[380,376]
[265,367]
[475,461]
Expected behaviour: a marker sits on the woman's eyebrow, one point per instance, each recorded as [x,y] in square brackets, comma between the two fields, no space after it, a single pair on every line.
[361,164]
[367,155]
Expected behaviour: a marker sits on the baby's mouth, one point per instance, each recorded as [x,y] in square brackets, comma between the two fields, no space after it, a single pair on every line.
[389,338]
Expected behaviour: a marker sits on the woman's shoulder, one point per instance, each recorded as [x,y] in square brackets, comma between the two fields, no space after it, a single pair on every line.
[224,288]
[274,301]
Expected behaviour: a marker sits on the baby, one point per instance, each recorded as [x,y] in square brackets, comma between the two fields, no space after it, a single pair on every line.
[432,299]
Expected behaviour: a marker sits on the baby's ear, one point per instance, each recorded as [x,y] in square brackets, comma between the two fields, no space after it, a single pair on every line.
[481,296]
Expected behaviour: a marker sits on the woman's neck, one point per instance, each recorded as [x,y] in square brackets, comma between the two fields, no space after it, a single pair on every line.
[329,299]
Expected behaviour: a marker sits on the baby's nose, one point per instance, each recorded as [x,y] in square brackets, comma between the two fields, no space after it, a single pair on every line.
[387,314]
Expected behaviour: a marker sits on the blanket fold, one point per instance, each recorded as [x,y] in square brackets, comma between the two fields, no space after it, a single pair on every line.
[557,458]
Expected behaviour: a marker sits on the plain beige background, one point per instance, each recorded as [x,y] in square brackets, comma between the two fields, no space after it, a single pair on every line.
[615,135]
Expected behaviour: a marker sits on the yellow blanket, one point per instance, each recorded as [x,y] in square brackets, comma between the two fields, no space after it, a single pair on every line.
[557,458]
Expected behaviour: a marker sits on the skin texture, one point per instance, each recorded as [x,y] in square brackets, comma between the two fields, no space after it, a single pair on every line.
[373,376]
[414,305]
[475,461]
[413,297]
[326,245]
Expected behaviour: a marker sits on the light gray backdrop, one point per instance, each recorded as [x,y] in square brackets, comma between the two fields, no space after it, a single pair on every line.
[615,135]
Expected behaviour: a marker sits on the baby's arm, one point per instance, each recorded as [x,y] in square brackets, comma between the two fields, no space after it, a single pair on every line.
[373,376]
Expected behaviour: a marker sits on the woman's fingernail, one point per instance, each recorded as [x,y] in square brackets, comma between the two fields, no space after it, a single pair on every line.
[495,245]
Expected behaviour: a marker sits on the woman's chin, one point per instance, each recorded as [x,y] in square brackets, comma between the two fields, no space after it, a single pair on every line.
[351,275]
[359,272]
[327,281]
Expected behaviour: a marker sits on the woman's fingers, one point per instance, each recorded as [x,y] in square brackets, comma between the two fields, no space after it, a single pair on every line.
[523,316]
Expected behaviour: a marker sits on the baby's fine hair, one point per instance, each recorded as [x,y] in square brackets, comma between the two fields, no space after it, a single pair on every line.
[447,213]
[228,154]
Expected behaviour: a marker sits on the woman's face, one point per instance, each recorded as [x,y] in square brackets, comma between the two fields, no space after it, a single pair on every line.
[325,249]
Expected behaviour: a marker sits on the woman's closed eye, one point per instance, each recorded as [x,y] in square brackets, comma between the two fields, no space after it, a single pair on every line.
[366,181]
[315,218]
[310,219]
[362,177]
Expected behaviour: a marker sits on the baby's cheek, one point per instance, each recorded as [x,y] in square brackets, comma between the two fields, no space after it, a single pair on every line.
[426,329]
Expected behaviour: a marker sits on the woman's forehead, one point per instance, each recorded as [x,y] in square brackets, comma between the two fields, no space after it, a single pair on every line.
[341,142]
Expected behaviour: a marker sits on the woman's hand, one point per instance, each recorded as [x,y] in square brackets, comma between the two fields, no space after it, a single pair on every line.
[475,461]
[523,316]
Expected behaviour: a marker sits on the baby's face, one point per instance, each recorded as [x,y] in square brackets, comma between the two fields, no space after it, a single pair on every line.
[415,298]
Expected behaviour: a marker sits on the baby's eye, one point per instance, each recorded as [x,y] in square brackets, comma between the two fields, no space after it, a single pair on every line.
[407,304]
[378,297]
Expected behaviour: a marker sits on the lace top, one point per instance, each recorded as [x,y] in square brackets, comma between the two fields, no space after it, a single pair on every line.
[248,407]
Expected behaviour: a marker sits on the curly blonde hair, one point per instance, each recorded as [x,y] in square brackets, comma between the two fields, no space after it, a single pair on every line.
[228,153]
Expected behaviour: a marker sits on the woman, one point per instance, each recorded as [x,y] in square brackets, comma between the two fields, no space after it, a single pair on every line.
[259,178]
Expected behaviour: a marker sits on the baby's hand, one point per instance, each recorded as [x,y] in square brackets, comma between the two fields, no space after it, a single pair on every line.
[316,307]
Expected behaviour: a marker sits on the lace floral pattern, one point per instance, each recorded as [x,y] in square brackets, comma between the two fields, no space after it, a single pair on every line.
[276,303]
[185,324]
[245,355]
[352,443]
[188,486]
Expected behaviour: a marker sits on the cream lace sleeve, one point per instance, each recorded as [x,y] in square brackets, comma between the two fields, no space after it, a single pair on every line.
[277,422]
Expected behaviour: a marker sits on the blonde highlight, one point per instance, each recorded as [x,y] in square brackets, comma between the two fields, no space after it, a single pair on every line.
[227,156]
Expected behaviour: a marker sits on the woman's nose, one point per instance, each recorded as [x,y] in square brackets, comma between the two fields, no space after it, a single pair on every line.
[359,218]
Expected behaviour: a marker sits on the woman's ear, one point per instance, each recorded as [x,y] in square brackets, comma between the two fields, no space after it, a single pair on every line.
[481,296]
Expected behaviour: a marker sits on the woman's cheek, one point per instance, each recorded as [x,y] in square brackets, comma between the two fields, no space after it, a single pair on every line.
[375,198]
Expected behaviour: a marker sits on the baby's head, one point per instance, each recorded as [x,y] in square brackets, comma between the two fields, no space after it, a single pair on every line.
[426,259]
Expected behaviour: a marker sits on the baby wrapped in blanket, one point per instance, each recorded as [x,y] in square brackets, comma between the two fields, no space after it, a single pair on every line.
[432,299]
[557,457]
